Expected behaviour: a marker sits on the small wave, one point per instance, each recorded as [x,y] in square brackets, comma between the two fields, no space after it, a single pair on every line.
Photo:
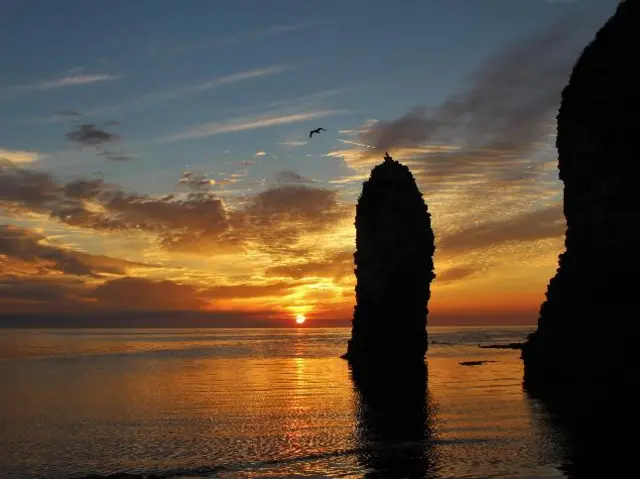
[211,471]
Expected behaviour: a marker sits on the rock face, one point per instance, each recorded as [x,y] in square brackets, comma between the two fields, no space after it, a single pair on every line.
[394,267]
[596,283]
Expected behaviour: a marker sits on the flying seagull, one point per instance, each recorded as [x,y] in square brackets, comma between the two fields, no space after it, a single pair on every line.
[317,130]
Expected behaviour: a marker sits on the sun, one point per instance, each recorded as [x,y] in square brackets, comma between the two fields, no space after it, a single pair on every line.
[300,318]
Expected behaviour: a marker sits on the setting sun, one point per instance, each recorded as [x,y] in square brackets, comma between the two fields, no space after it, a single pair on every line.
[300,318]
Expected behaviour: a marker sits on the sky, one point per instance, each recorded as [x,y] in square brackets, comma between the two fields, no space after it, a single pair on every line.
[156,165]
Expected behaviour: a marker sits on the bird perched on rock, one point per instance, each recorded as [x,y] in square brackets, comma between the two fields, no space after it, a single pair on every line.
[317,130]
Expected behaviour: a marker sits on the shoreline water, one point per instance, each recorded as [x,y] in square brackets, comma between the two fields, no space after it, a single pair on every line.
[247,403]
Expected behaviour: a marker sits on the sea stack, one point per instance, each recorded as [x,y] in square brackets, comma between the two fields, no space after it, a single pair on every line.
[581,343]
[394,267]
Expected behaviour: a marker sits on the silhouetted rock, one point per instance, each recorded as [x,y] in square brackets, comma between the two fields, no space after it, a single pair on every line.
[394,266]
[594,291]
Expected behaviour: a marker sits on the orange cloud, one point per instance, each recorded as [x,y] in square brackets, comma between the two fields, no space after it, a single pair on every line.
[534,225]
[133,294]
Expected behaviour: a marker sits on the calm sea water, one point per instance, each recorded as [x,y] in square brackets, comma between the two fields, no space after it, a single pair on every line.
[261,403]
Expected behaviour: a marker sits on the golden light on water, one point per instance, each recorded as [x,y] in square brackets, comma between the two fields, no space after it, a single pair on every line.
[300,319]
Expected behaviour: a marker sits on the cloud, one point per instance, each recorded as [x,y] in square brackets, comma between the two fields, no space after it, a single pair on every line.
[196,223]
[177,93]
[276,218]
[67,81]
[116,157]
[336,265]
[20,294]
[19,156]
[290,176]
[135,294]
[350,179]
[25,250]
[238,38]
[89,135]
[68,113]
[198,88]
[248,290]
[247,123]
[293,143]
[196,181]
[457,273]
[261,153]
[269,31]
[502,113]
[534,225]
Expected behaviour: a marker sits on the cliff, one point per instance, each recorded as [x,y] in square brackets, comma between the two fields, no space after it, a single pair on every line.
[394,267]
[580,340]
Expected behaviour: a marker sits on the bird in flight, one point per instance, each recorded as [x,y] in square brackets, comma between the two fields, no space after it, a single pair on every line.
[317,130]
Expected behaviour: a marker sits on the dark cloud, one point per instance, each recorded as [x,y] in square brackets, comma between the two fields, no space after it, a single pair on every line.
[84,189]
[534,225]
[134,294]
[68,113]
[129,294]
[25,293]
[111,156]
[89,135]
[24,245]
[248,290]
[118,157]
[290,176]
[500,115]
[457,273]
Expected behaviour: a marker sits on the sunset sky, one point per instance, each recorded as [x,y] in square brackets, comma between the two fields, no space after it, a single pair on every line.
[155,155]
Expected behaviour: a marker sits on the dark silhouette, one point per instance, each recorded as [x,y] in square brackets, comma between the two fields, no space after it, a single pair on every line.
[586,439]
[584,381]
[598,144]
[476,363]
[502,346]
[317,130]
[394,267]
[395,420]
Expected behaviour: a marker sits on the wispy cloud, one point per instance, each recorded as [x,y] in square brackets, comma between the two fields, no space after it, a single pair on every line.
[261,153]
[67,81]
[213,83]
[168,95]
[246,36]
[247,123]
[19,156]
[294,143]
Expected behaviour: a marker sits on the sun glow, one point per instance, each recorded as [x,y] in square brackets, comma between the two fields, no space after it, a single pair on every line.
[300,318]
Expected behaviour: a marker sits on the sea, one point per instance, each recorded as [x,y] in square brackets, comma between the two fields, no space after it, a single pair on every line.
[250,403]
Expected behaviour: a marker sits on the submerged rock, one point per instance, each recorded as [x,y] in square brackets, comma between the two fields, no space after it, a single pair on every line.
[394,267]
[595,286]
[476,363]
[502,346]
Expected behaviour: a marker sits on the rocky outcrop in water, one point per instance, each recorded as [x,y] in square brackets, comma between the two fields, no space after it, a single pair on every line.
[595,289]
[394,267]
